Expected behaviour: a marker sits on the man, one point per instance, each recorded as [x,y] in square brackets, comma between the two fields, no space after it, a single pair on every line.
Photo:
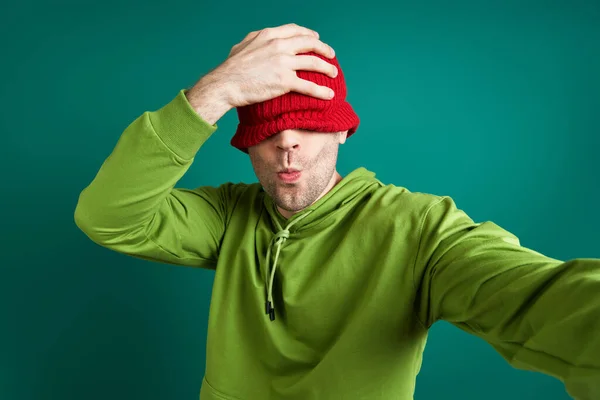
[325,286]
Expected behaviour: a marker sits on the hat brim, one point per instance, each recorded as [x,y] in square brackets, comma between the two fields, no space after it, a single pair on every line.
[340,118]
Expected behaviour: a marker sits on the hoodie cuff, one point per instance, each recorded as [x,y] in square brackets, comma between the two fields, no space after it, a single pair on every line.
[179,126]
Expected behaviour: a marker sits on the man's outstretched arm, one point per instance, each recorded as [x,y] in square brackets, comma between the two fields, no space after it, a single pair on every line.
[539,313]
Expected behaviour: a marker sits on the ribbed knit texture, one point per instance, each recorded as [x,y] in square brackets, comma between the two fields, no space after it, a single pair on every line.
[298,111]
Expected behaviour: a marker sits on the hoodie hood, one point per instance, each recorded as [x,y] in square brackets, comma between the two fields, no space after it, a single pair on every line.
[352,187]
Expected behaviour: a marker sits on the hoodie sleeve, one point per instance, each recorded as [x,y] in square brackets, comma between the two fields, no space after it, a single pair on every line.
[132,207]
[539,313]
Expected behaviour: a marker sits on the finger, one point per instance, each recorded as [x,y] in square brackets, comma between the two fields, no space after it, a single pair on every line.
[239,47]
[312,63]
[250,36]
[309,88]
[286,31]
[305,44]
[244,43]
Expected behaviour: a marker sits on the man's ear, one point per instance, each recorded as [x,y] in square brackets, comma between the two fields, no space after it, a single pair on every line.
[342,136]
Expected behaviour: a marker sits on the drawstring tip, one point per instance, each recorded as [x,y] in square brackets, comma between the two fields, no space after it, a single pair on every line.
[270,310]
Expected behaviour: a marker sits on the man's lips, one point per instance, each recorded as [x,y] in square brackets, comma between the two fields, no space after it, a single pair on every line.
[289,175]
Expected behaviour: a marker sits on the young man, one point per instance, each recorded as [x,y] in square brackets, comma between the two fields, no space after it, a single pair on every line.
[325,286]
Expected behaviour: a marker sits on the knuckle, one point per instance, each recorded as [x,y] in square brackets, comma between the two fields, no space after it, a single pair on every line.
[249,36]
[277,44]
[324,48]
[266,33]
[281,78]
[321,91]
[281,60]
[291,25]
[312,41]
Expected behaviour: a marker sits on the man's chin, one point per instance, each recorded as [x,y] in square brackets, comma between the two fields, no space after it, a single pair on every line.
[289,205]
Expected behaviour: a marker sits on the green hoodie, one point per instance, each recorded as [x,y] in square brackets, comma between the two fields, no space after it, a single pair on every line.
[355,280]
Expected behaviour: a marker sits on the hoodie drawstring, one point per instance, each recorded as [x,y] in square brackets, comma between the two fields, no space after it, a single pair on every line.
[278,240]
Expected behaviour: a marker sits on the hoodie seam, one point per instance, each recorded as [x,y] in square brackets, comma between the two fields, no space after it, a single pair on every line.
[160,247]
[420,243]
[180,158]
[219,393]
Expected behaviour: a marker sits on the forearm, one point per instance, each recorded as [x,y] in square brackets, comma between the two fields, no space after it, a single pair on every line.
[152,154]
[542,314]
[546,319]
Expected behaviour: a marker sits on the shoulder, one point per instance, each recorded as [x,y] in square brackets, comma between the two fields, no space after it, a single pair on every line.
[391,199]
[229,196]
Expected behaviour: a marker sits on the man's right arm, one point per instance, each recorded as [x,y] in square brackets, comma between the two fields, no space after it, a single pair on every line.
[132,207]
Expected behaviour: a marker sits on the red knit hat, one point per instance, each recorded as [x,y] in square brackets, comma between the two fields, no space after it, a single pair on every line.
[297,111]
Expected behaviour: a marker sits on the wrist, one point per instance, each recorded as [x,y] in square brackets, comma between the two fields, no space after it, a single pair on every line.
[209,98]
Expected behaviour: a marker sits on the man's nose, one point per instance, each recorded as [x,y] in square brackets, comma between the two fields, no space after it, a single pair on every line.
[288,140]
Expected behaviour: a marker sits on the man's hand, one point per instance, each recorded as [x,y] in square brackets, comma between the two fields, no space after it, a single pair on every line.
[261,67]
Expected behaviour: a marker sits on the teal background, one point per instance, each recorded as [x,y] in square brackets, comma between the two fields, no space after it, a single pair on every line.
[493,103]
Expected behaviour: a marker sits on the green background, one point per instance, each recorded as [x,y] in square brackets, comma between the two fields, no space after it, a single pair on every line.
[493,103]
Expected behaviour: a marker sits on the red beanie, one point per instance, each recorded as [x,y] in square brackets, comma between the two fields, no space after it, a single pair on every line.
[297,111]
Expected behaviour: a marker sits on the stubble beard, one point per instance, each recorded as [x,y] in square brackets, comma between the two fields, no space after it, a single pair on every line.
[296,196]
